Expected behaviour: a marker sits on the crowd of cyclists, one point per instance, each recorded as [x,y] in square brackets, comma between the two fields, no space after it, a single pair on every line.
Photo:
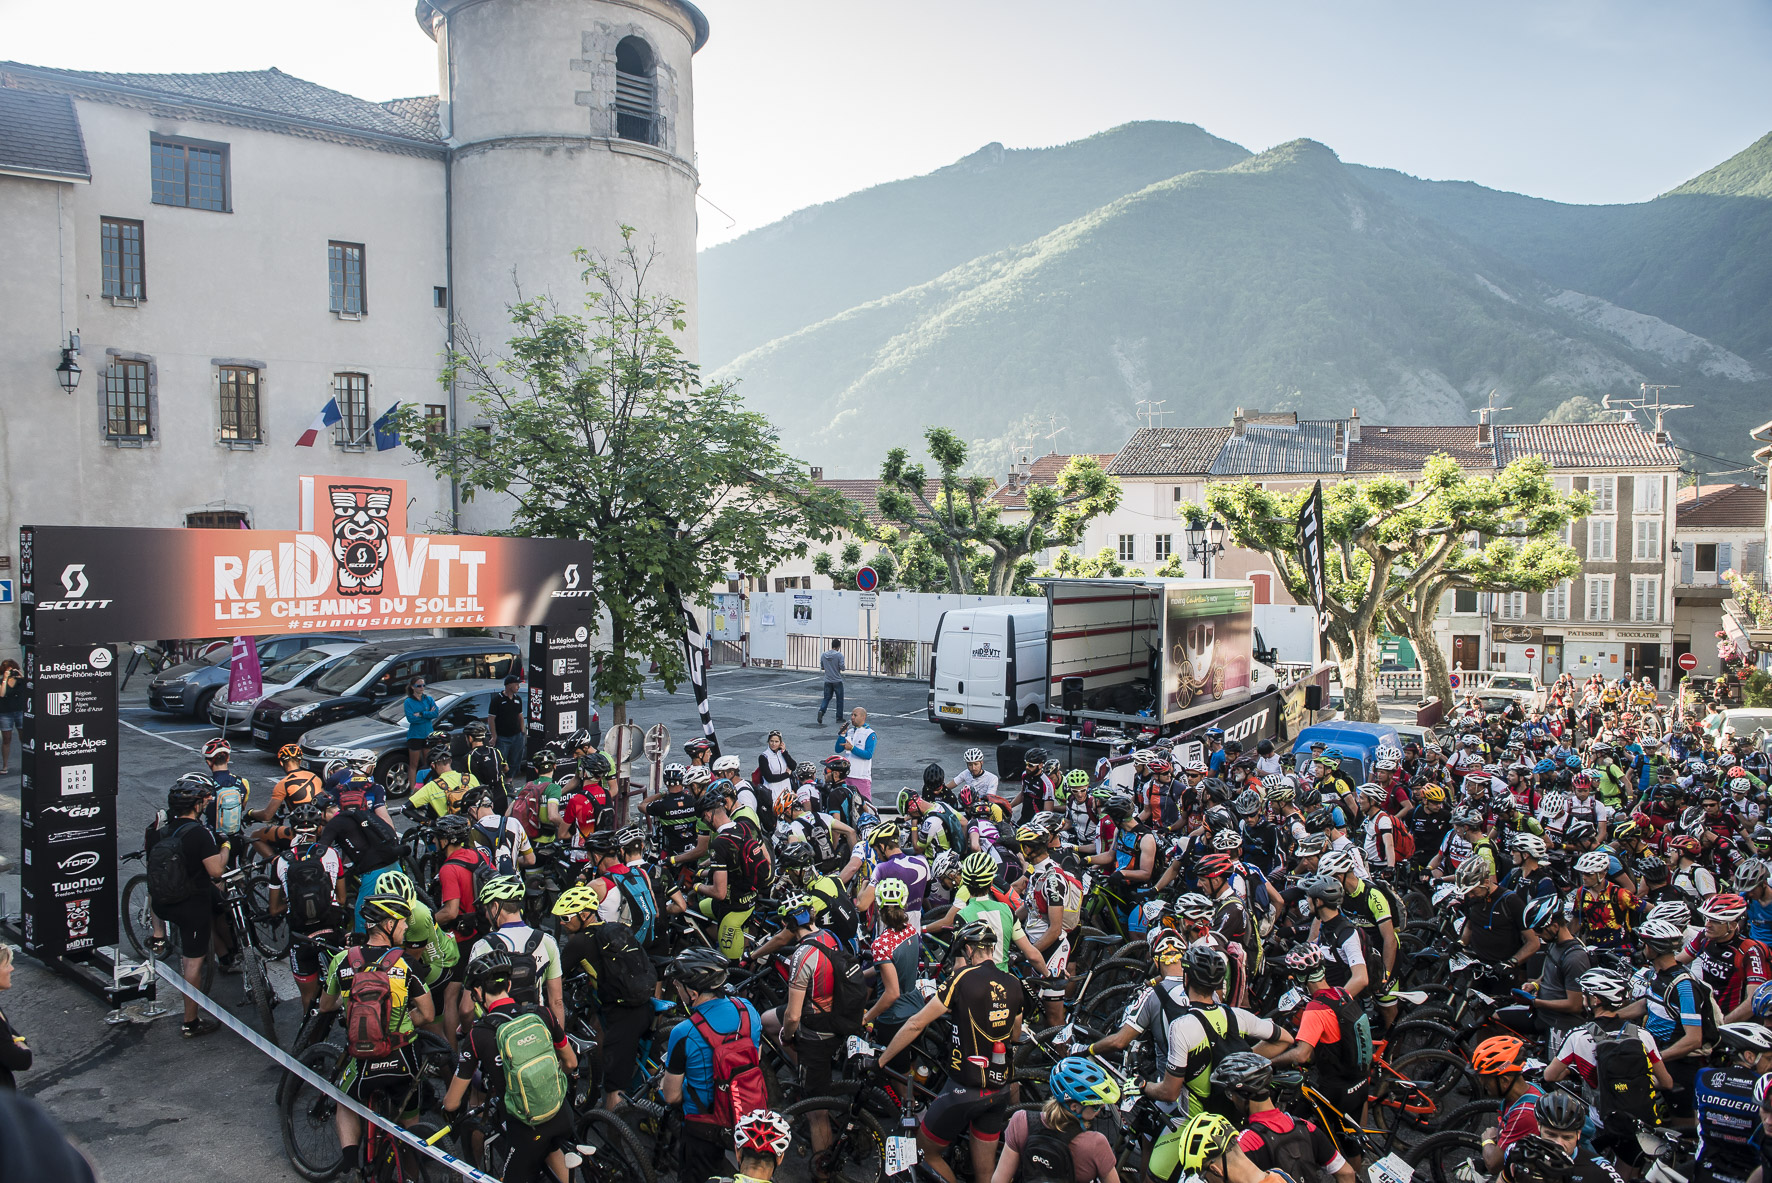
[1532,947]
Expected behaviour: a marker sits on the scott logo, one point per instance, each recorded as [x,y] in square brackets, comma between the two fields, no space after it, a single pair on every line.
[79,864]
[74,579]
[571,591]
[1247,727]
[360,537]
[571,575]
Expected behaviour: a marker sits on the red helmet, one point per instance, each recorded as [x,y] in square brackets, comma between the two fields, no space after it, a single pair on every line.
[1727,908]
[1159,766]
[216,747]
[1684,843]
[1215,866]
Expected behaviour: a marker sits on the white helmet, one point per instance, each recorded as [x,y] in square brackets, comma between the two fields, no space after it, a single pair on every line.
[1674,912]
[1531,844]
[1387,752]
[973,755]
[1553,804]
[1335,862]
[1371,791]
[726,766]
[1594,862]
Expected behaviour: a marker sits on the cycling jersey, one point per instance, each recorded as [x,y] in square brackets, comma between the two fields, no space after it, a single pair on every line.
[1729,1134]
[998,915]
[1606,914]
[675,811]
[1759,919]
[1732,969]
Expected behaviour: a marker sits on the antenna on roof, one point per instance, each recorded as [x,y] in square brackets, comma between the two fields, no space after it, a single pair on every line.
[1058,429]
[1648,400]
[1152,412]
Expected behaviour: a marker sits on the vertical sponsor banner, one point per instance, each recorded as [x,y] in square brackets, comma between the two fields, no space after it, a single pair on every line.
[559,683]
[695,660]
[1310,552]
[69,799]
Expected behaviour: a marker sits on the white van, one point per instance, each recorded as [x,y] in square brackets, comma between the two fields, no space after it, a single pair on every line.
[989,666]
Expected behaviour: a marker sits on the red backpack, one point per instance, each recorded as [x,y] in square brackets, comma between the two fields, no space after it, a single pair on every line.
[526,808]
[369,1022]
[1401,835]
[739,1084]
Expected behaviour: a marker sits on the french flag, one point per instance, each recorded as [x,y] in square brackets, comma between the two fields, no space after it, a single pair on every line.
[326,418]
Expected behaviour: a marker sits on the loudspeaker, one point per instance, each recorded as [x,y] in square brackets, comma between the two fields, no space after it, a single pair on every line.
[1011,761]
[1313,698]
[1071,690]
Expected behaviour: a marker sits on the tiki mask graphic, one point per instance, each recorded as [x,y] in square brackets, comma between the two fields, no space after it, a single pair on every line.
[360,537]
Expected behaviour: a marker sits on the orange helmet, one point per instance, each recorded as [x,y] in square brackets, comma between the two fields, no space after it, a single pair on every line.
[1498,1056]
[288,752]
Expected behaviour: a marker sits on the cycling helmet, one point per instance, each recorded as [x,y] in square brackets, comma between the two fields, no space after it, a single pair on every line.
[1219,818]
[385,906]
[1579,832]
[1336,862]
[398,883]
[1745,1037]
[1323,889]
[978,870]
[892,893]
[1282,794]
[716,797]
[1305,961]
[1247,803]
[1371,792]
[501,887]
[1120,807]
[601,843]
[288,752]
[1749,875]
[1553,804]
[805,772]
[1194,906]
[1078,1080]
[1762,1001]
[1246,1075]
[946,863]
[333,767]
[762,1133]
[1541,911]
[726,766]
[1215,866]
[884,834]
[1499,1055]
[454,829]
[476,730]
[1558,1110]
[1545,766]
[1660,937]
[837,764]
[1168,946]
[1530,844]
[1224,840]
[1037,757]
[1675,912]
[220,747]
[979,932]
[1724,909]
[1594,862]
[1740,784]
[1031,835]
[596,765]
[1206,1138]
[1626,830]
[1432,795]
[1464,815]
[1471,873]
[783,802]
[308,817]
[188,790]
[796,856]
[575,899]
[1076,778]
[489,969]
[1310,846]
[1608,986]
[700,968]
[798,909]
[1206,966]
[1537,1159]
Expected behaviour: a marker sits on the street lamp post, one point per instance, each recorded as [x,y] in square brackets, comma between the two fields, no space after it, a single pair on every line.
[1203,543]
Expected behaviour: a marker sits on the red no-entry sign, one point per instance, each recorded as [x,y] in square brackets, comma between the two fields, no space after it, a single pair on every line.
[1531,653]
[1688,661]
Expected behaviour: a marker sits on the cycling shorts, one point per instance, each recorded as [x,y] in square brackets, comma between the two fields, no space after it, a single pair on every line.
[391,1077]
[983,1111]
[732,922]
[306,961]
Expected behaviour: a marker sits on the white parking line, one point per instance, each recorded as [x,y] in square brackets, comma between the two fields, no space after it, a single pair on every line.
[157,735]
[183,731]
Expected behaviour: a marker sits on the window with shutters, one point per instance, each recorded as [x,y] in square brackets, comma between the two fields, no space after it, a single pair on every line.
[1165,544]
[1605,492]
[1511,605]
[1599,597]
[1599,538]
[1704,558]
[1556,601]
[1647,548]
[1646,494]
[1645,598]
[1464,601]
[636,91]
[1128,547]
[1725,557]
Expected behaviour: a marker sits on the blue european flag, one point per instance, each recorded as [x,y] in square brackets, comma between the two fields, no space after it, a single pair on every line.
[385,435]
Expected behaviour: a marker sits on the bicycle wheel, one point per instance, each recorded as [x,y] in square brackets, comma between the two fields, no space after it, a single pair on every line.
[1418,1089]
[617,1154]
[1472,1118]
[138,916]
[1101,1012]
[1449,1157]
[857,1153]
[269,933]
[1414,1034]
[257,985]
[1118,972]
[306,1118]
[415,1166]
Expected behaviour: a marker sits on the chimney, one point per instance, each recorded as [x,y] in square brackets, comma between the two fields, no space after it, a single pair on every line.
[1483,431]
[1237,422]
[817,473]
[1353,426]
[1341,434]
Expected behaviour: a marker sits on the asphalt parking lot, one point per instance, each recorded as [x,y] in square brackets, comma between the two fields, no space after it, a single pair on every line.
[148,1105]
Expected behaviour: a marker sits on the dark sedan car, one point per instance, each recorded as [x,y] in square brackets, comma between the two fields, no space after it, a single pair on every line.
[187,688]
[372,676]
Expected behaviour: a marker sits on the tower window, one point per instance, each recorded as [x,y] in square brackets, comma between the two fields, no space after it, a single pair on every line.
[636,91]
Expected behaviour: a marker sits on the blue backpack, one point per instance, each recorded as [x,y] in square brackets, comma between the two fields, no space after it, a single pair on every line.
[635,889]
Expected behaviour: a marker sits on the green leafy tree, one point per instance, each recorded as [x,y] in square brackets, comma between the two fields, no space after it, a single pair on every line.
[958,520]
[1389,544]
[601,429]
[1103,564]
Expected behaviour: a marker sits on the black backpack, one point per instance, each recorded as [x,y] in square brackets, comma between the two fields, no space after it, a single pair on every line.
[311,901]
[1290,1152]
[849,994]
[1624,1084]
[1045,1154]
[381,846]
[169,881]
[525,977]
[625,974]
[840,915]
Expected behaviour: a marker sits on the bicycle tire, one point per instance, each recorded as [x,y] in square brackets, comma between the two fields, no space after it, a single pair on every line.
[429,1170]
[620,1158]
[1118,971]
[1471,1118]
[1103,1011]
[138,916]
[1413,1034]
[1426,1085]
[1442,1153]
[305,1118]
[255,984]
[857,1153]
[270,934]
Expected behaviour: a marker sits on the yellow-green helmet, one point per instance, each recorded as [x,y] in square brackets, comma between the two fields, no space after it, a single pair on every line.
[397,883]
[978,870]
[502,887]
[575,899]
[1206,1137]
[892,893]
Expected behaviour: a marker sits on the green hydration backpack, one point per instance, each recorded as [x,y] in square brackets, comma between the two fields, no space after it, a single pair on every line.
[535,1084]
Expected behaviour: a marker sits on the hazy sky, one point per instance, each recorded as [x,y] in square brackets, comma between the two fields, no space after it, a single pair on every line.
[799,101]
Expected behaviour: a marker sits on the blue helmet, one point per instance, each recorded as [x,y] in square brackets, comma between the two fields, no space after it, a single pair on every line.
[1214,733]
[1572,763]
[1545,765]
[1081,1081]
[1763,1001]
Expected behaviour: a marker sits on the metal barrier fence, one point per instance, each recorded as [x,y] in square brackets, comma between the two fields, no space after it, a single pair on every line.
[1410,683]
[865,656]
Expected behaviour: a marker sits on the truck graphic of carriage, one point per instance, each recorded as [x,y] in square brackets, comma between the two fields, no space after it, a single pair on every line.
[1206,637]
[1197,662]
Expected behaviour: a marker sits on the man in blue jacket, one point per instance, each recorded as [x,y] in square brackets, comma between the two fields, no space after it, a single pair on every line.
[856,744]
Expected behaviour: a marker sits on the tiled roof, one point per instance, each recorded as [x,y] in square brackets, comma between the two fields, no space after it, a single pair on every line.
[1584,445]
[40,134]
[866,493]
[1169,451]
[1721,507]
[1305,449]
[1406,449]
[1043,471]
[419,112]
[268,92]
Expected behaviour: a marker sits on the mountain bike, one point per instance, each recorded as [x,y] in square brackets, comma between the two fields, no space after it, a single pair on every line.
[255,946]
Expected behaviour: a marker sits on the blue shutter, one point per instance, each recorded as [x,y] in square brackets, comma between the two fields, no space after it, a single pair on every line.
[1723,558]
[1688,553]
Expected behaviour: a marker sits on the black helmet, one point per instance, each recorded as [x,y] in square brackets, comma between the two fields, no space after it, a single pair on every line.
[489,969]
[1206,967]
[601,842]
[933,775]
[796,855]
[1037,756]
[188,790]
[1537,1159]
[1558,1110]
[542,763]
[306,817]
[1246,1075]
[805,772]
[580,739]
[453,828]
[702,969]
[595,765]
[476,730]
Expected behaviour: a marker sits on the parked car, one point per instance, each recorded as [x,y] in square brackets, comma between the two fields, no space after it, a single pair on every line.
[298,669]
[1750,722]
[186,689]
[1521,688]
[383,732]
[377,672]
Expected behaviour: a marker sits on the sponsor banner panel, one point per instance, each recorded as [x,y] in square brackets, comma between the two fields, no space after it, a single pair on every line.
[559,683]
